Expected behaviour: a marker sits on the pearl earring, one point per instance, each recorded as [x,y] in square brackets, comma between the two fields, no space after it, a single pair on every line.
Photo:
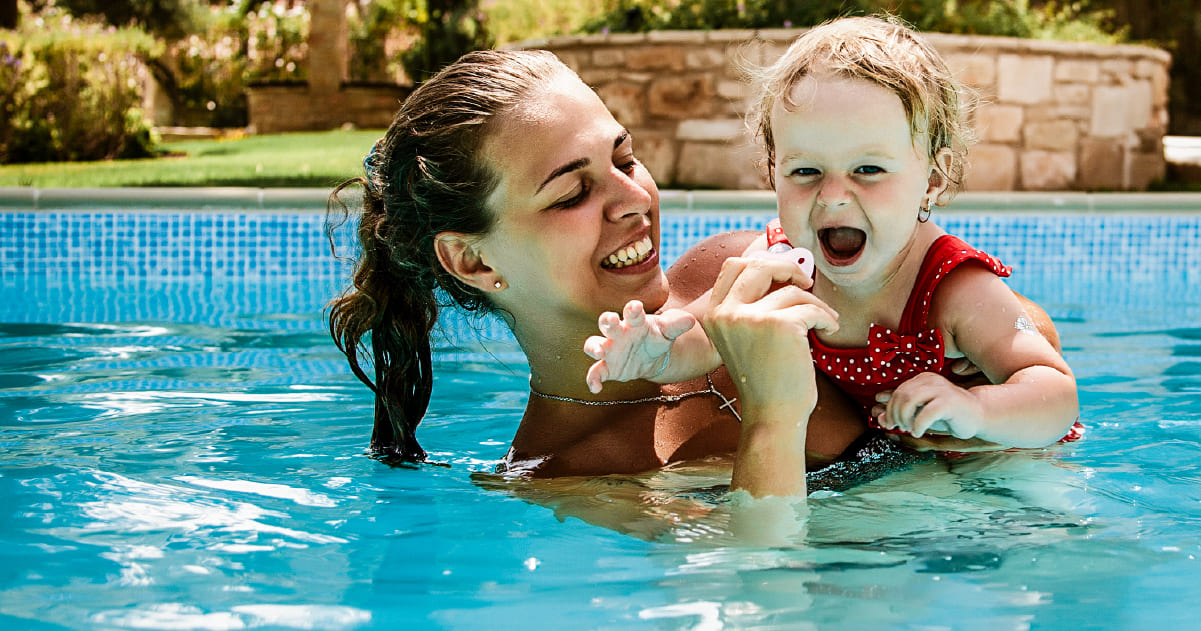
[496,284]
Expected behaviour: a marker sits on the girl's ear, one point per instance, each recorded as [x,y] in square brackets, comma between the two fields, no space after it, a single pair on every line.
[459,255]
[940,180]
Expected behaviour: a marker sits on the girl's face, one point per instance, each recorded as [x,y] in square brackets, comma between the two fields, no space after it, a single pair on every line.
[577,228]
[850,177]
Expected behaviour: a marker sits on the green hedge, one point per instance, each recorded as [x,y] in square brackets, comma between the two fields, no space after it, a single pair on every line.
[71,90]
[1077,21]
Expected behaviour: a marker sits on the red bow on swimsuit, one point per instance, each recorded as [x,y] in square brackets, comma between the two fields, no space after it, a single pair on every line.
[922,352]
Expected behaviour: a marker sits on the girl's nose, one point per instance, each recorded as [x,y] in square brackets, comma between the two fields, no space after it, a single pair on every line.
[833,194]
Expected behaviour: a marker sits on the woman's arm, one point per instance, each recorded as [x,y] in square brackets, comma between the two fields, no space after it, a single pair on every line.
[763,337]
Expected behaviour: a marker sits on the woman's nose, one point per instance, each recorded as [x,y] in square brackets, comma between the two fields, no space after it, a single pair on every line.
[629,197]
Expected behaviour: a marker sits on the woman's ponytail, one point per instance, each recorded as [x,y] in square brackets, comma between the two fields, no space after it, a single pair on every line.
[423,178]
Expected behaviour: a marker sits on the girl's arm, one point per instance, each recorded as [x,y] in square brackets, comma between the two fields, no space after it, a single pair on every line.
[1031,400]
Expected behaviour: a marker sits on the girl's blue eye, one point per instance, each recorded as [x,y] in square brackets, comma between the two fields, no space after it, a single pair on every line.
[869,170]
[805,172]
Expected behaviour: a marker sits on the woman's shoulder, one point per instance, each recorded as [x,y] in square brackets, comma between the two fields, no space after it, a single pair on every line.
[695,271]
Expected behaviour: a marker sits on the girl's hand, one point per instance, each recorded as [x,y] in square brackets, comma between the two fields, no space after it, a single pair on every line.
[929,403]
[634,345]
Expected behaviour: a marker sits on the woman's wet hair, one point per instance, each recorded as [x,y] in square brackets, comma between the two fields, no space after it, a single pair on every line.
[886,52]
[424,177]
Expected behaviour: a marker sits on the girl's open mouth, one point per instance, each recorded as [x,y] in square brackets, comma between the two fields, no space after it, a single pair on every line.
[842,246]
[630,255]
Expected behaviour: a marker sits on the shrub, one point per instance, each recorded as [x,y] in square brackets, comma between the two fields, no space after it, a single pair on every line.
[205,72]
[71,90]
[1077,20]
[445,30]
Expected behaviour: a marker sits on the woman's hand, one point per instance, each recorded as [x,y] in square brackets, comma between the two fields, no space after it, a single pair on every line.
[763,337]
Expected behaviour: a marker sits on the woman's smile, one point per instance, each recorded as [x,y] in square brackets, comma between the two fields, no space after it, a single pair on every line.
[632,256]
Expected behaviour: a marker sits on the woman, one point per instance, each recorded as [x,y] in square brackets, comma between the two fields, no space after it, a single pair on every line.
[505,182]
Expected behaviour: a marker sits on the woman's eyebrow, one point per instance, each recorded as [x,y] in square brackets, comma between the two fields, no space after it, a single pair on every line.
[566,168]
[581,163]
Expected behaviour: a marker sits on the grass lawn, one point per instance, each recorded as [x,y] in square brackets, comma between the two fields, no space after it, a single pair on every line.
[321,159]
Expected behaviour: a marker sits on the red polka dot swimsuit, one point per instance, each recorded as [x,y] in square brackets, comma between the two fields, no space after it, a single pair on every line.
[893,357]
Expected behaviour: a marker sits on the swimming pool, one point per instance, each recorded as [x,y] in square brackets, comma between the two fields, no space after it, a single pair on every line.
[183,448]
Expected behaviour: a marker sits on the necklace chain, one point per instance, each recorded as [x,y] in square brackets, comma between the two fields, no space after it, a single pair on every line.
[663,398]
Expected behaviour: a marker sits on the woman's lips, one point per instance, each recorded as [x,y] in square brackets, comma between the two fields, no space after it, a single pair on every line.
[630,255]
[842,246]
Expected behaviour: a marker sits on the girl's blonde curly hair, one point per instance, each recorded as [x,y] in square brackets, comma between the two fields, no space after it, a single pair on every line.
[884,51]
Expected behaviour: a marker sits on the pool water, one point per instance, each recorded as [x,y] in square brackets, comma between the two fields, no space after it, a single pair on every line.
[183,448]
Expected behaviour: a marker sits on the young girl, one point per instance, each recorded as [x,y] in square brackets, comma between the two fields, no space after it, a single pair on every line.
[864,133]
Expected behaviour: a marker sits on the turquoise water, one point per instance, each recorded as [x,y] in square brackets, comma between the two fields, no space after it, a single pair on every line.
[186,451]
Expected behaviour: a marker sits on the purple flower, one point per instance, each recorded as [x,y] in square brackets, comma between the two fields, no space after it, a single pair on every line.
[787,23]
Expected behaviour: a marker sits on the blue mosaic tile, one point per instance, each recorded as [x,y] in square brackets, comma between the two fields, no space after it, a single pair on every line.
[143,265]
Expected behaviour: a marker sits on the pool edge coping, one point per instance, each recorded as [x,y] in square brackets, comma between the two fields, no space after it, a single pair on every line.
[16,199]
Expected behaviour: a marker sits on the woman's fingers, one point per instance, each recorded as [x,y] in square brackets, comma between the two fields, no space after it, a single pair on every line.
[748,279]
[822,316]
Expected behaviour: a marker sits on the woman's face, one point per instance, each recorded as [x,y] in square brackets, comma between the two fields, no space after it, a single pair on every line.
[577,228]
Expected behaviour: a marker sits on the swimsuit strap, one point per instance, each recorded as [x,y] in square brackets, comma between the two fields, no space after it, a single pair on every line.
[945,254]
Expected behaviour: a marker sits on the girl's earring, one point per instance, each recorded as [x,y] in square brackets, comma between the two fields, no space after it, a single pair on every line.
[496,284]
[923,213]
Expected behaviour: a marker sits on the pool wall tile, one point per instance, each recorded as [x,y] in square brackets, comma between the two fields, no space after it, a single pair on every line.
[190,264]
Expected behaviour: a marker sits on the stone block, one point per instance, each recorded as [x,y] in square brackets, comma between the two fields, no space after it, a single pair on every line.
[656,150]
[1141,104]
[627,102]
[1145,169]
[1116,70]
[1054,135]
[991,168]
[609,57]
[680,97]
[1078,70]
[705,59]
[1047,170]
[708,130]
[976,70]
[733,90]
[1160,85]
[1076,94]
[597,77]
[717,165]
[1024,79]
[1111,112]
[1102,164]
[999,123]
[655,58]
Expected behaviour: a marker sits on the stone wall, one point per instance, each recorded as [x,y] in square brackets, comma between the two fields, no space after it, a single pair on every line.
[1051,115]
[326,101]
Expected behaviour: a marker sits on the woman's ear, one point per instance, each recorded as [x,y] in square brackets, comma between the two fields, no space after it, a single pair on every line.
[940,179]
[459,255]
